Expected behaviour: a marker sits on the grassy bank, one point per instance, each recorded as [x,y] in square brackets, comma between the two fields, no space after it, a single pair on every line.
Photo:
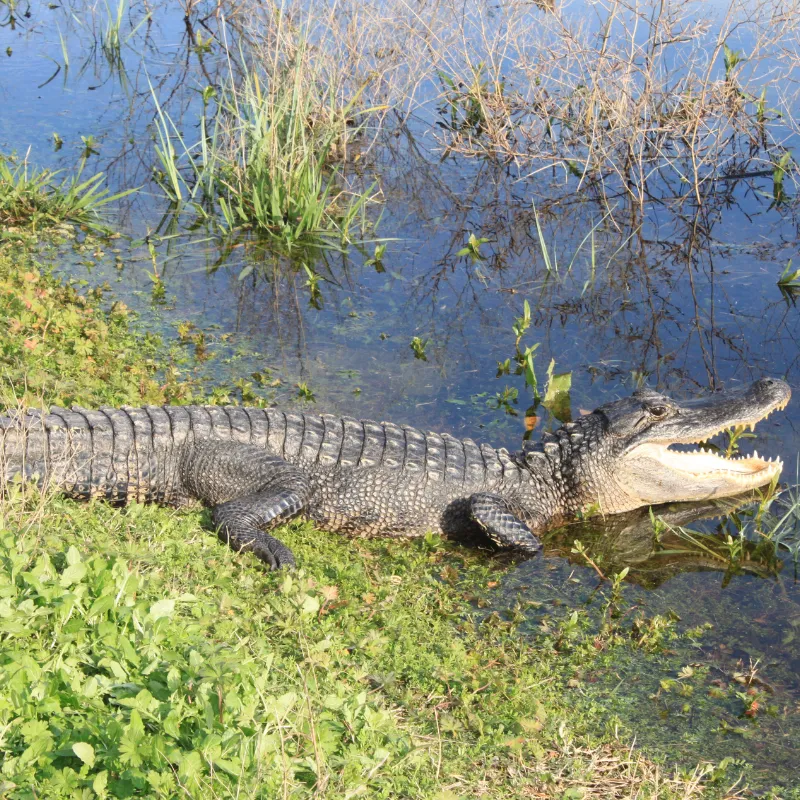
[139,657]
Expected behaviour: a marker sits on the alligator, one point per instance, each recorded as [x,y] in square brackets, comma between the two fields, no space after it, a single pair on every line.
[257,468]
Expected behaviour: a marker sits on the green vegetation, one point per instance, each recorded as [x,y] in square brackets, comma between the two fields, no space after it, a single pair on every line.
[557,390]
[266,165]
[113,38]
[59,344]
[418,346]
[36,199]
[142,658]
[473,248]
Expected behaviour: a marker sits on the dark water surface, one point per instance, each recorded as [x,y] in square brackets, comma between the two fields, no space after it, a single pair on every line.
[687,299]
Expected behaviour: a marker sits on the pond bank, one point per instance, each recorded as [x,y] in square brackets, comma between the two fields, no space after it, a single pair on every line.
[140,657]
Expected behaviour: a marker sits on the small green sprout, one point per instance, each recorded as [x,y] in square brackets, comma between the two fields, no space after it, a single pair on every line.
[377,258]
[473,248]
[305,393]
[418,346]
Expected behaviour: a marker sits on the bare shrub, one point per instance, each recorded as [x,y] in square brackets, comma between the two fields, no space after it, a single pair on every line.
[606,89]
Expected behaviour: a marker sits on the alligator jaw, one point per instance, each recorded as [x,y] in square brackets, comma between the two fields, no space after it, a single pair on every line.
[746,472]
[750,472]
[651,471]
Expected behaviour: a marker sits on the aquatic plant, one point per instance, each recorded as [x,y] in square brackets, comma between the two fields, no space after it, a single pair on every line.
[113,38]
[633,94]
[267,164]
[557,388]
[418,346]
[473,248]
[38,199]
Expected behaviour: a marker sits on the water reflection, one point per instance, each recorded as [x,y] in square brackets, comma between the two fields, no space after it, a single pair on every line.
[656,545]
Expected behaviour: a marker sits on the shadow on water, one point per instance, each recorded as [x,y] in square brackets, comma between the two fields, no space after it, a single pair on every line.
[727,686]
[657,285]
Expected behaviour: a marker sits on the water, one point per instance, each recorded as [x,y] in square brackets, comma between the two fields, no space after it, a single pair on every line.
[687,299]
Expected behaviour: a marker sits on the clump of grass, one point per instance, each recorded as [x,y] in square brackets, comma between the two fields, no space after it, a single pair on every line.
[39,198]
[276,178]
[267,163]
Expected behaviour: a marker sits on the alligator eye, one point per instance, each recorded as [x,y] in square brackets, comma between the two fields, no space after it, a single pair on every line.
[658,411]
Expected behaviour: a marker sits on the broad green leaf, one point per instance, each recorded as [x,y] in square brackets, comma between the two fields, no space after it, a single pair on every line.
[100,782]
[556,398]
[73,574]
[163,608]
[310,605]
[85,752]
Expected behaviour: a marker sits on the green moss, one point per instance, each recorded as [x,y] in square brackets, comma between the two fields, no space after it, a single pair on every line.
[139,657]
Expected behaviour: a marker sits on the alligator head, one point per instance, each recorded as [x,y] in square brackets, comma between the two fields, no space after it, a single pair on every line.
[623,455]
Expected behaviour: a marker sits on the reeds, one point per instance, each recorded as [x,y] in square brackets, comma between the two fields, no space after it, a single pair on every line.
[38,199]
[613,92]
[272,158]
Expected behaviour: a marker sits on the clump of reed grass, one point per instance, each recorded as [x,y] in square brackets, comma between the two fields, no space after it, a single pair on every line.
[621,94]
[277,177]
[40,198]
[267,162]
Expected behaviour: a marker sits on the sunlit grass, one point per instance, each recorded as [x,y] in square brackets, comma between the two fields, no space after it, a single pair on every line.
[266,161]
[42,198]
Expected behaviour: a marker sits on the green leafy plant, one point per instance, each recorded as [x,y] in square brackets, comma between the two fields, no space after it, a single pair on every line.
[377,258]
[506,400]
[418,346]
[90,146]
[305,393]
[312,284]
[731,59]
[35,198]
[266,164]
[789,280]
[465,104]
[473,248]
[557,393]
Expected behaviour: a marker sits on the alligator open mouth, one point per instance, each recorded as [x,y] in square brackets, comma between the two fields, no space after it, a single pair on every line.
[673,458]
[704,461]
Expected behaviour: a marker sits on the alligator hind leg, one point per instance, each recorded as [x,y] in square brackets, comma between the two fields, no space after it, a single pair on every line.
[501,524]
[249,491]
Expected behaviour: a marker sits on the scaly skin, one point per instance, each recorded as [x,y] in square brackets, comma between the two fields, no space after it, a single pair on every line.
[258,468]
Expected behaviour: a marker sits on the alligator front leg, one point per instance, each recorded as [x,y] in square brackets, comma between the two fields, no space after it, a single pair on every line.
[501,524]
[249,491]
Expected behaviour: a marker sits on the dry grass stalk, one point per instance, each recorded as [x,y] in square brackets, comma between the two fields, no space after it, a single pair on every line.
[614,90]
